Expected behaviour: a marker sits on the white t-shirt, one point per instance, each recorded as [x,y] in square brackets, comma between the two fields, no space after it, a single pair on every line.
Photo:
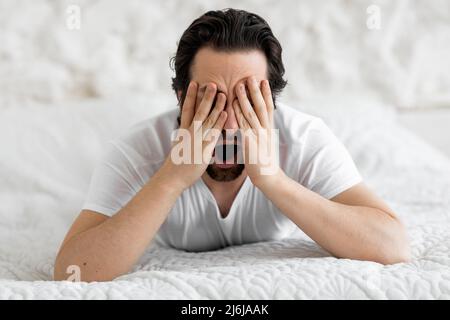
[309,153]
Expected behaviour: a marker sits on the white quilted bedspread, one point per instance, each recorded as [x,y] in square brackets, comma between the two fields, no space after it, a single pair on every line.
[46,158]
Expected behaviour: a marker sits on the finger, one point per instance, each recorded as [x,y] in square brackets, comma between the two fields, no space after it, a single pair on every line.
[246,131]
[215,113]
[259,105]
[200,95]
[267,95]
[206,103]
[213,135]
[243,123]
[187,111]
[246,107]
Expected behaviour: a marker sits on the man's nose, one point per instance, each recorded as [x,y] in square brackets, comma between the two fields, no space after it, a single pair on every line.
[231,123]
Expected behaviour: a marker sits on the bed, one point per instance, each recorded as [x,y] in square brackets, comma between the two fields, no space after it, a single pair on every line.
[48,153]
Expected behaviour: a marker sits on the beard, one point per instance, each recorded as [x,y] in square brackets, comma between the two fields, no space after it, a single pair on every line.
[225,174]
[226,153]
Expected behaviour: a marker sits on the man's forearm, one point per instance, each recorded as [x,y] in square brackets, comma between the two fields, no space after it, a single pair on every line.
[354,232]
[113,247]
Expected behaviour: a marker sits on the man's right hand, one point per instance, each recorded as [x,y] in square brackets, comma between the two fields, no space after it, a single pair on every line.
[196,123]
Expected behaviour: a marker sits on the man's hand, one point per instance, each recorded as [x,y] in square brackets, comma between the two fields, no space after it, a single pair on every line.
[255,118]
[195,136]
[354,224]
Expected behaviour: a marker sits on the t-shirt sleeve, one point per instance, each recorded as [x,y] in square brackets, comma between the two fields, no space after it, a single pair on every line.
[326,168]
[114,181]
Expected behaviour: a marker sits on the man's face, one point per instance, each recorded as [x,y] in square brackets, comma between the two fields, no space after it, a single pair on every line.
[226,70]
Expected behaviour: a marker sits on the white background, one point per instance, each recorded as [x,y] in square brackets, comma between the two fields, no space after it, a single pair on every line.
[125,46]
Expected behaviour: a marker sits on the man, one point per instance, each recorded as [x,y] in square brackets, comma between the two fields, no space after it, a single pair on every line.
[228,72]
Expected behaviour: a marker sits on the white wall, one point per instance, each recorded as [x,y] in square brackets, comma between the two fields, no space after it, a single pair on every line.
[125,46]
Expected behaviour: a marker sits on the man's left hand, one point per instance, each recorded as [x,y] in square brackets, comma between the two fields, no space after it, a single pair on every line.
[254,114]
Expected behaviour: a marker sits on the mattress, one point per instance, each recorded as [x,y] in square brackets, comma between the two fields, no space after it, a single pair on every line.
[48,153]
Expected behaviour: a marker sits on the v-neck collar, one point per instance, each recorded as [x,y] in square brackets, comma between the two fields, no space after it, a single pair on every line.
[228,220]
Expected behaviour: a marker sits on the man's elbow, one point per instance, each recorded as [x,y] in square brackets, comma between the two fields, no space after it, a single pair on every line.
[73,274]
[397,250]
[59,274]
[65,271]
[401,255]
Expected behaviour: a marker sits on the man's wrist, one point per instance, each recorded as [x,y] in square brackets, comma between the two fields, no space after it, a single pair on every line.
[269,181]
[169,181]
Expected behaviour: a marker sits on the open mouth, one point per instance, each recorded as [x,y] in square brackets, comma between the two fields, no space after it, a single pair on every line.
[226,155]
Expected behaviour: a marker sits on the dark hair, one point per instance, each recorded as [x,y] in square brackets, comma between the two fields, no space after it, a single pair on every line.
[227,30]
